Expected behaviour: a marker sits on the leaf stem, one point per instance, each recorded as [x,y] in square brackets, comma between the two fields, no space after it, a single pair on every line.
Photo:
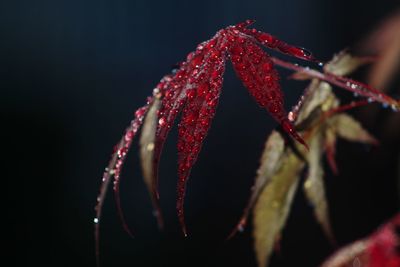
[356,87]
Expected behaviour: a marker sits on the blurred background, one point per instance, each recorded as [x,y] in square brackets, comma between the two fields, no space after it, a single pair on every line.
[72,73]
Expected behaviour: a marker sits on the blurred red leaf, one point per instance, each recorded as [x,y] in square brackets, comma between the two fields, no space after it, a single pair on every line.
[381,249]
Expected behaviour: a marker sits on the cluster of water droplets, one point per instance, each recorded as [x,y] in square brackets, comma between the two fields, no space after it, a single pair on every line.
[372,95]
[194,88]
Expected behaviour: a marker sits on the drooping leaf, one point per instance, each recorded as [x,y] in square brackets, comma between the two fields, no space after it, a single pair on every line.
[113,170]
[175,90]
[194,87]
[179,91]
[270,163]
[314,184]
[147,143]
[273,42]
[172,102]
[273,206]
[195,123]
[254,67]
[358,88]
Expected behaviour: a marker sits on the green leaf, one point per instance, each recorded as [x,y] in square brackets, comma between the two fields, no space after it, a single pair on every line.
[270,162]
[350,129]
[146,142]
[314,184]
[273,206]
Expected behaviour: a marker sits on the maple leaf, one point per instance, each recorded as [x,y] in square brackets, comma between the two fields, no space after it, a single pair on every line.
[378,250]
[193,89]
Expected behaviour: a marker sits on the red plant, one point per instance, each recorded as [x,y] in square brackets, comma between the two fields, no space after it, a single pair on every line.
[194,88]
[382,248]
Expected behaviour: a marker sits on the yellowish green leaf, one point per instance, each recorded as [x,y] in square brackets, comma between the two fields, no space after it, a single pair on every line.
[273,206]
[270,162]
[318,97]
[146,142]
[350,129]
[344,63]
[314,184]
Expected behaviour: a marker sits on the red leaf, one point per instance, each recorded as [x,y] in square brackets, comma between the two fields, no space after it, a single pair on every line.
[271,41]
[175,93]
[385,244]
[114,170]
[196,119]
[195,86]
[256,70]
[378,250]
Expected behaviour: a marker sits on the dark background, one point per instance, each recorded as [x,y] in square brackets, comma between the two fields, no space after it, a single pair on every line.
[72,74]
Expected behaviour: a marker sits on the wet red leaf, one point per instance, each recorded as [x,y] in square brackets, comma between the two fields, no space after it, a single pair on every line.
[193,88]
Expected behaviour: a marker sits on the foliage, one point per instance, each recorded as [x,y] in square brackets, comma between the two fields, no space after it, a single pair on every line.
[315,123]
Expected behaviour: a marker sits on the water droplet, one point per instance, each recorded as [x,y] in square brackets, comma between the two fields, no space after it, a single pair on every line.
[96,220]
[308,184]
[150,147]
[240,228]
[157,92]
[306,53]
[385,105]
[275,204]
[139,113]
[321,64]
[244,24]
[370,100]
[191,93]
[355,94]
[237,50]
[174,68]
[394,108]
[267,67]
[211,43]
[162,121]
[291,116]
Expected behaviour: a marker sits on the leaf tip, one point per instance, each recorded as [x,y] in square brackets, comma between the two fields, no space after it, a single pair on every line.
[238,228]
[160,221]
